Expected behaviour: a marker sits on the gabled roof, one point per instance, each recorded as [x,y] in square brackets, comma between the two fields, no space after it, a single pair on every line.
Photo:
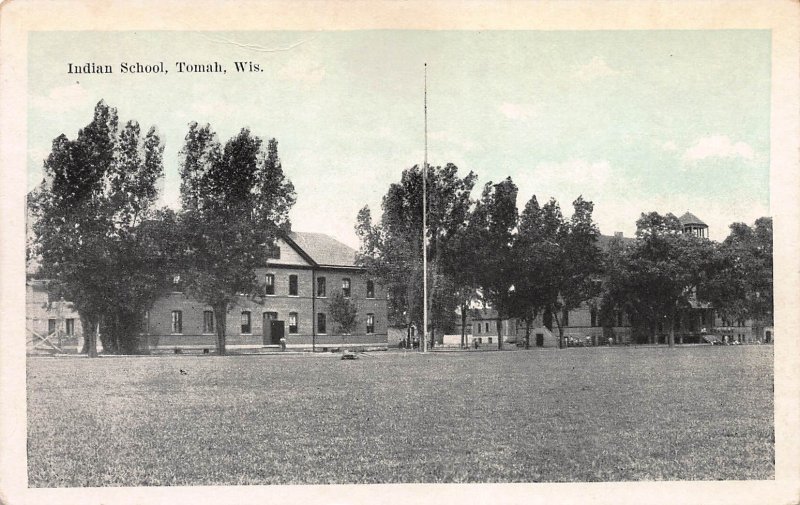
[323,250]
[690,218]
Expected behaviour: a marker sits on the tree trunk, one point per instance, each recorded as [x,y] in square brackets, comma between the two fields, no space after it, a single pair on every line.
[527,333]
[221,316]
[671,340]
[92,341]
[671,334]
[106,336]
[499,334]
[463,326]
[89,336]
[560,331]
[86,324]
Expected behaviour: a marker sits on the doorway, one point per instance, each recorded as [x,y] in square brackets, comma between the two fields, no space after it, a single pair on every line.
[266,326]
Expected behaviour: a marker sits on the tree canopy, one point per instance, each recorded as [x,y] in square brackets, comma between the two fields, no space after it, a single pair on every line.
[558,262]
[662,272]
[392,248]
[236,202]
[92,228]
[344,313]
[741,286]
[494,220]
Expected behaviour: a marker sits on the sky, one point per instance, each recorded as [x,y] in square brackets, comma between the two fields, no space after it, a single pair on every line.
[635,121]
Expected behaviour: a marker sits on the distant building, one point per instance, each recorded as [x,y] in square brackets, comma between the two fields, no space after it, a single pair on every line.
[693,225]
[51,325]
[304,271]
[583,324]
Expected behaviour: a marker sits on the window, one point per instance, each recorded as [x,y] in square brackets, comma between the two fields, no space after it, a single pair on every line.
[51,326]
[490,340]
[274,252]
[487,327]
[208,321]
[269,284]
[292,322]
[370,323]
[619,318]
[346,287]
[321,320]
[565,317]
[246,322]
[292,285]
[593,317]
[370,289]
[177,321]
[321,287]
[70,327]
[478,328]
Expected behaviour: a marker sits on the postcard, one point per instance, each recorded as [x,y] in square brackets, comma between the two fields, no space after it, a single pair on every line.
[357,252]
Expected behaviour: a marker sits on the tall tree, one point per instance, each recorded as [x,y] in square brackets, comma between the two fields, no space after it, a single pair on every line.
[533,254]
[461,274]
[612,302]
[741,285]
[494,220]
[236,202]
[558,262]
[392,248]
[99,190]
[663,272]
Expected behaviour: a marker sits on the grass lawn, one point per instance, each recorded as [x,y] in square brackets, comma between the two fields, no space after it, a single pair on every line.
[594,414]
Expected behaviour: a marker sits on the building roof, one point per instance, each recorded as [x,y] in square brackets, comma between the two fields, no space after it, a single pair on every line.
[323,249]
[690,218]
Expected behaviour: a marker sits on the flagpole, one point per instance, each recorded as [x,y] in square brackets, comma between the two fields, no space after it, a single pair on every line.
[425,226]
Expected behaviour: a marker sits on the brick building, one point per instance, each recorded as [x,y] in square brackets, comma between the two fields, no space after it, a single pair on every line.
[298,281]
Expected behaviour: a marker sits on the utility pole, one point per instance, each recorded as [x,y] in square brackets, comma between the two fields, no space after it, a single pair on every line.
[425,226]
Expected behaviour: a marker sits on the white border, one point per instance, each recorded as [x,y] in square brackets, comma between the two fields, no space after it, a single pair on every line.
[18,18]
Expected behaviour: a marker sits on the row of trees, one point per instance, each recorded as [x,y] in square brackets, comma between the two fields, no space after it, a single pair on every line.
[99,238]
[536,263]
[541,263]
